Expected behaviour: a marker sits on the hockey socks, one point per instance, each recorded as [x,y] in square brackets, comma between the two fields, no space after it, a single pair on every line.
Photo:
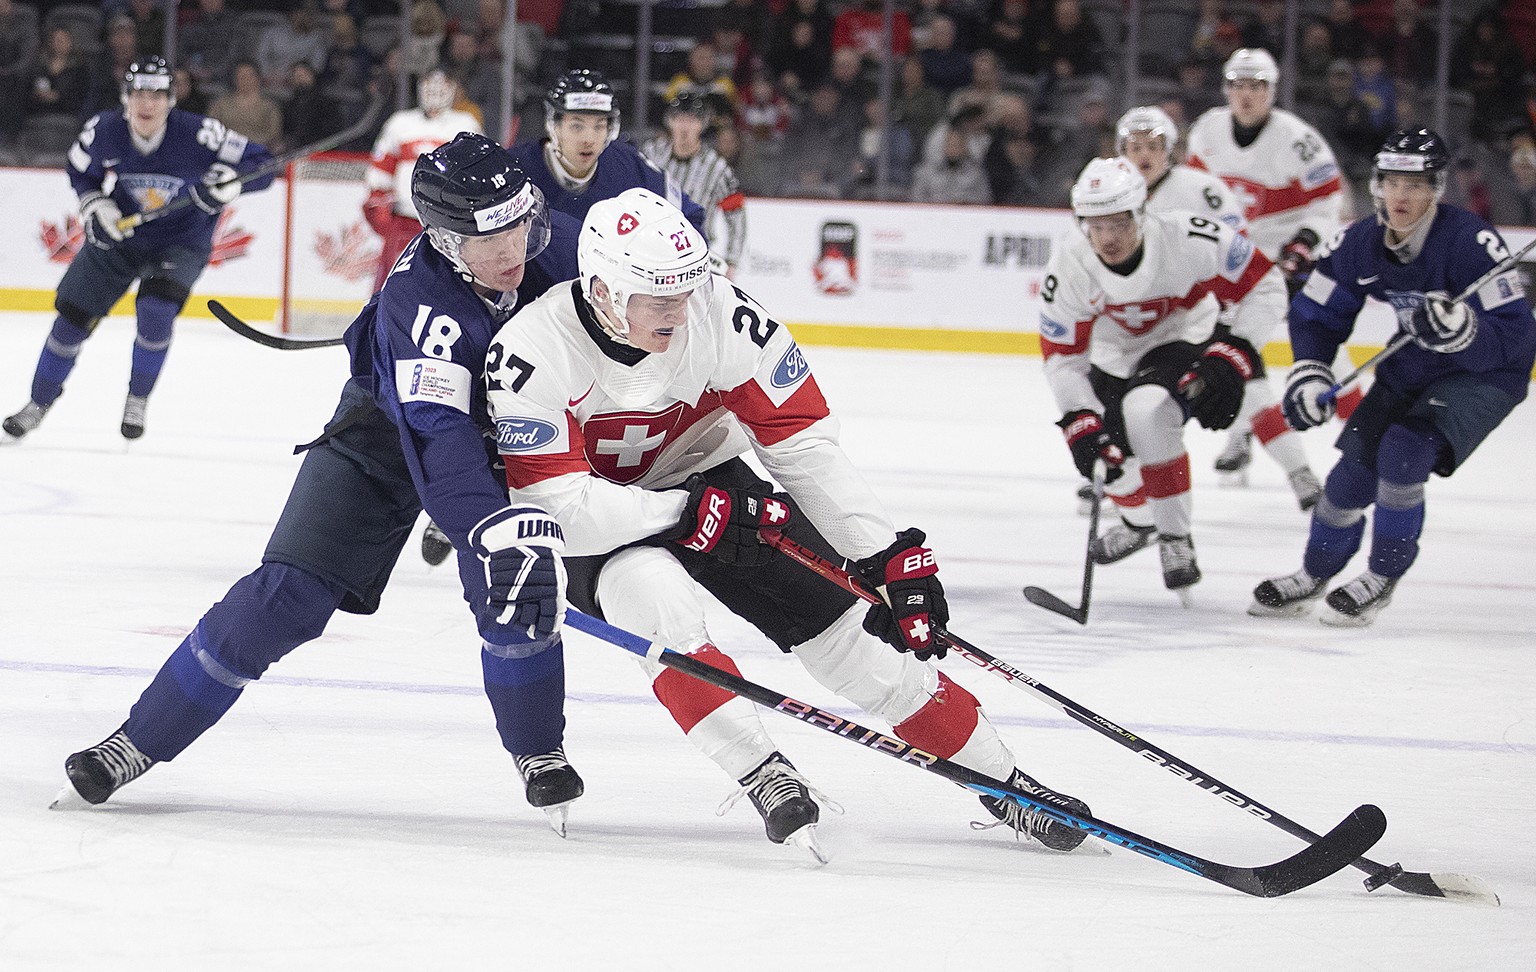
[527,694]
[57,360]
[157,317]
[724,727]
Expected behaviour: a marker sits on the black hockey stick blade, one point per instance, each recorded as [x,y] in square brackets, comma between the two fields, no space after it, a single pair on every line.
[1334,851]
[229,320]
[1040,597]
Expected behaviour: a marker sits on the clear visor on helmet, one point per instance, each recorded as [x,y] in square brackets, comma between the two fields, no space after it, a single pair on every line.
[662,303]
[515,231]
[147,82]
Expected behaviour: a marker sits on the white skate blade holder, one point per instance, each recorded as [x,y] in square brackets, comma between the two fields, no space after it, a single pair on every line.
[805,840]
[69,798]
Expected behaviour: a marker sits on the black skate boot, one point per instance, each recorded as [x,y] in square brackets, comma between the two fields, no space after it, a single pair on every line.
[550,783]
[1180,571]
[1306,487]
[1034,823]
[1119,542]
[1286,597]
[97,773]
[133,416]
[786,801]
[24,421]
[1357,603]
[435,545]
[1236,455]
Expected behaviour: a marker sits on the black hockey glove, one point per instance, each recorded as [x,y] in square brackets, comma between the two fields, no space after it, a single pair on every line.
[219,187]
[520,547]
[1212,388]
[1296,260]
[99,214]
[1303,404]
[725,522]
[1441,324]
[1090,442]
[907,577]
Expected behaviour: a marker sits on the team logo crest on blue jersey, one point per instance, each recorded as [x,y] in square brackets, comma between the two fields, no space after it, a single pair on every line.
[1404,303]
[791,368]
[515,435]
[149,190]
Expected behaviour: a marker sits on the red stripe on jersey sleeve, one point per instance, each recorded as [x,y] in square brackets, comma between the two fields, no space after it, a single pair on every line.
[524,471]
[1229,292]
[1195,162]
[1083,330]
[1269,200]
[733,202]
[771,423]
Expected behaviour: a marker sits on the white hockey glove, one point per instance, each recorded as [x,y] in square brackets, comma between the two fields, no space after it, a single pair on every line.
[99,215]
[520,547]
[1441,324]
[219,187]
[1303,404]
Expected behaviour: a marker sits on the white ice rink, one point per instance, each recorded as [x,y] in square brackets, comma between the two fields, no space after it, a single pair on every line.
[355,811]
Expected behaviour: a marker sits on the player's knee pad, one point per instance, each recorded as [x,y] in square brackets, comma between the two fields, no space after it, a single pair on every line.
[647,591]
[157,317]
[1154,423]
[164,288]
[1408,452]
[76,316]
[267,614]
[861,668]
[1351,485]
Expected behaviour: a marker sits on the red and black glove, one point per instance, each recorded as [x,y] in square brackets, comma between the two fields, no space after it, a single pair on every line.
[1090,442]
[379,210]
[1296,260]
[907,577]
[1212,388]
[725,522]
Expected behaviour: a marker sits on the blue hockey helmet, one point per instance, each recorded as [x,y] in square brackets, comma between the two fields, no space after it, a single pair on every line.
[1411,151]
[581,90]
[149,74]
[473,187]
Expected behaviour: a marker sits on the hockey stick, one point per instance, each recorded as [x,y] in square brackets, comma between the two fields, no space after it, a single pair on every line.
[229,320]
[1398,343]
[1040,597]
[1352,837]
[275,164]
[1458,886]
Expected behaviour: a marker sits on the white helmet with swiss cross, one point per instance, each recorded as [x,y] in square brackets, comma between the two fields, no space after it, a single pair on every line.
[638,243]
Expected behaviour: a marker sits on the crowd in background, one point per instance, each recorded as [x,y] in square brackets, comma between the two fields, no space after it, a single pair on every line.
[994,101]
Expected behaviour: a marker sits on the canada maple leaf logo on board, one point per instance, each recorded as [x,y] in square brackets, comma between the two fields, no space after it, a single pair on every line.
[230,242]
[351,254]
[61,241]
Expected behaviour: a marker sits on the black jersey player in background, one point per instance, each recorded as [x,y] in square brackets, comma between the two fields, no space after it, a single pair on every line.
[139,160]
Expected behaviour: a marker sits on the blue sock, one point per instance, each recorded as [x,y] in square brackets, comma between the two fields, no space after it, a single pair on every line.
[527,694]
[157,316]
[57,360]
[1399,522]
[1330,547]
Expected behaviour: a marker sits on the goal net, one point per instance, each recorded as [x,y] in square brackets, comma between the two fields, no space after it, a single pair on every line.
[330,253]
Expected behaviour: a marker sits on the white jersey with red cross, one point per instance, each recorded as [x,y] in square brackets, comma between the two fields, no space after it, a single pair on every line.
[1191,267]
[1197,191]
[597,432]
[407,134]
[1287,178]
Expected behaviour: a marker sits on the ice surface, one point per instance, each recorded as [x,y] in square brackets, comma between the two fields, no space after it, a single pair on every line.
[354,810]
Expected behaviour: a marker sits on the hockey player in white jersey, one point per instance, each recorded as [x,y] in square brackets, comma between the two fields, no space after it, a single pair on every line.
[624,402]
[1289,183]
[1132,350]
[1146,137]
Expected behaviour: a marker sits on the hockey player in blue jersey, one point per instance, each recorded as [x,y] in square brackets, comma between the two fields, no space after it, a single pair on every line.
[582,160]
[411,431]
[1433,402]
[138,160]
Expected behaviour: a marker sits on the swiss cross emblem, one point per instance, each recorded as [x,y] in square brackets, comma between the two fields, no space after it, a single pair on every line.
[627,223]
[917,630]
[774,513]
[623,446]
[1138,318]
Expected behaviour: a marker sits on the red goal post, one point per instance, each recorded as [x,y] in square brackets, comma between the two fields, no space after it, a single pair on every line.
[330,253]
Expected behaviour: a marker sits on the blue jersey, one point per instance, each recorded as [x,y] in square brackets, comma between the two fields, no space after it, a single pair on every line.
[620,166]
[104,159]
[1460,248]
[422,342]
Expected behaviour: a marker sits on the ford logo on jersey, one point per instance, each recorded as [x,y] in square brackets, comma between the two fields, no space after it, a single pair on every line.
[1051,329]
[523,434]
[791,368]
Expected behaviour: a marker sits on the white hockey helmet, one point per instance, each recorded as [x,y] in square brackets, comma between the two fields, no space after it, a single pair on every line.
[1109,186]
[638,243]
[1251,63]
[1146,120]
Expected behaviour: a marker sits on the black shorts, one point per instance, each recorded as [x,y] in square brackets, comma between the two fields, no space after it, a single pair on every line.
[352,506]
[788,603]
[1164,365]
[97,278]
[1462,407]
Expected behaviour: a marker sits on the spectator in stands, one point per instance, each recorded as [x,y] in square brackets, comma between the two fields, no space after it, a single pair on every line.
[751,18]
[189,95]
[1469,190]
[763,111]
[18,50]
[1196,94]
[429,25]
[107,70]
[1089,135]
[734,53]
[817,148]
[703,75]
[207,45]
[900,155]
[917,104]
[1265,27]
[755,165]
[1348,32]
[1409,45]
[954,177]
[1376,91]
[1009,32]
[247,109]
[148,18]
[308,114]
[283,45]
[348,65]
[800,46]
[1486,62]
[986,81]
[1213,22]
[860,28]
[1518,207]
[1344,121]
[1312,61]
[479,79]
[1012,152]
[946,67]
[971,121]
[59,78]
[852,81]
[1069,45]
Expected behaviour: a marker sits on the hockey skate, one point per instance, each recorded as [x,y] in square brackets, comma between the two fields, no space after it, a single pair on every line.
[133,416]
[1306,487]
[1119,542]
[1356,604]
[1234,459]
[1180,571]
[435,545]
[1036,823]
[787,803]
[24,421]
[550,783]
[1286,597]
[100,771]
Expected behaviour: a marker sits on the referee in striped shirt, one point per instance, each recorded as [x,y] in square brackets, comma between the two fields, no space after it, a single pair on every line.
[703,174]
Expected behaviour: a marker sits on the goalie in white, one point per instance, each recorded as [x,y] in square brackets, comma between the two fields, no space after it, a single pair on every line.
[1132,350]
[624,401]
